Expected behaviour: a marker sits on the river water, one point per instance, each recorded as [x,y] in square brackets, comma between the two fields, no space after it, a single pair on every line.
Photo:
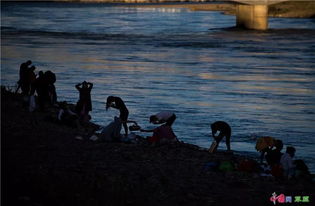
[193,63]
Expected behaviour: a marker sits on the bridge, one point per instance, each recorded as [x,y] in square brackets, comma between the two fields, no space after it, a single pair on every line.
[253,14]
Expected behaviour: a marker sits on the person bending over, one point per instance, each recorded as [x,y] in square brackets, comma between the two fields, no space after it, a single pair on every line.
[118,103]
[225,131]
[163,117]
[163,133]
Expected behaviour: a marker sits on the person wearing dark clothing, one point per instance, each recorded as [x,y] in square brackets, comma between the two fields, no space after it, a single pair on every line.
[84,105]
[225,131]
[52,94]
[44,87]
[51,79]
[273,156]
[25,77]
[41,87]
[301,170]
[118,103]
[67,117]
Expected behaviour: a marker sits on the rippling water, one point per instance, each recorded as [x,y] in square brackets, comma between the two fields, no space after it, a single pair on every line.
[193,63]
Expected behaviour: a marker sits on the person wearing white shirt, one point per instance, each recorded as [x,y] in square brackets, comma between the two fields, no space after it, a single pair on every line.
[163,117]
[286,162]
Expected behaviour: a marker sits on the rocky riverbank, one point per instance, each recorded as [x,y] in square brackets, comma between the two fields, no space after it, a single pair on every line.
[44,164]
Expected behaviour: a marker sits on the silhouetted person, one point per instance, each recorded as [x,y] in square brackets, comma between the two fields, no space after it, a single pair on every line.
[163,117]
[51,79]
[301,170]
[163,133]
[273,156]
[286,162]
[225,131]
[25,81]
[67,117]
[118,103]
[45,89]
[31,77]
[84,105]
[40,73]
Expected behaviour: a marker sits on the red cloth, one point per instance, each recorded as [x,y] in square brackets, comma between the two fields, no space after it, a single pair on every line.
[276,170]
[162,132]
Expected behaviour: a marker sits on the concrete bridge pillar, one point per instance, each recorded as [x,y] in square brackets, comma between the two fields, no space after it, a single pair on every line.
[252,16]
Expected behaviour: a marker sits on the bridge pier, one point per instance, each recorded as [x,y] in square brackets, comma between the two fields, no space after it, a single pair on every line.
[252,16]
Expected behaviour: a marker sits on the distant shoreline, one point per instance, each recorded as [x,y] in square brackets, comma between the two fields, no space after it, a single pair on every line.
[298,9]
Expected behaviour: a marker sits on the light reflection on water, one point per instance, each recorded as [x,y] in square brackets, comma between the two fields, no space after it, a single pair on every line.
[262,83]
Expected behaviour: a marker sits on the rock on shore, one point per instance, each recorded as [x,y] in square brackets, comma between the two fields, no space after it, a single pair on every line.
[43,164]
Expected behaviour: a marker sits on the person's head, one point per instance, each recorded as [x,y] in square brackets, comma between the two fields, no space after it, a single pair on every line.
[40,73]
[278,145]
[109,101]
[213,127]
[50,77]
[33,68]
[84,84]
[291,151]
[153,119]
[29,62]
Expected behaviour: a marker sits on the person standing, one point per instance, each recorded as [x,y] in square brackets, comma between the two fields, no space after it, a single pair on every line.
[286,162]
[24,81]
[84,105]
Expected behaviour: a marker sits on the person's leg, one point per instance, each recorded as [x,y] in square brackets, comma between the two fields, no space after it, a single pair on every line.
[262,154]
[124,118]
[227,141]
[24,88]
[218,140]
[171,120]
[126,128]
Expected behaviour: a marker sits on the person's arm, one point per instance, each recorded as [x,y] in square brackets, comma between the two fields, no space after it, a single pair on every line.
[78,86]
[131,121]
[126,128]
[71,112]
[61,111]
[108,105]
[159,121]
[146,130]
[90,85]
[33,87]
[114,106]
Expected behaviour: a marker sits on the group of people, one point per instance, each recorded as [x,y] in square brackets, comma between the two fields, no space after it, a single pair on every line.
[281,164]
[42,83]
[163,133]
